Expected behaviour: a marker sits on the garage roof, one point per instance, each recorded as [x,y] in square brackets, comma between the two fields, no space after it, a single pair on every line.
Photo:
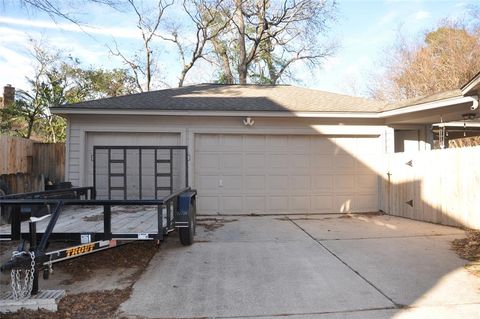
[218,97]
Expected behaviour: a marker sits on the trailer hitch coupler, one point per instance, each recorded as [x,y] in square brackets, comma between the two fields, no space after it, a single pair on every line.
[22,261]
[7,266]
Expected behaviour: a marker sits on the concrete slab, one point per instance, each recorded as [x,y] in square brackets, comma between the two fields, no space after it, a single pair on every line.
[420,271]
[45,299]
[243,276]
[360,226]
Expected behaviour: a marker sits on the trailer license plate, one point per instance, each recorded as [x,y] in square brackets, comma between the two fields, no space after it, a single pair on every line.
[142,236]
[85,238]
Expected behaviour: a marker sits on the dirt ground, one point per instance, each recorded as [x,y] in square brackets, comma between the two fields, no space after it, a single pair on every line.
[97,304]
[79,277]
[469,248]
[87,297]
[213,223]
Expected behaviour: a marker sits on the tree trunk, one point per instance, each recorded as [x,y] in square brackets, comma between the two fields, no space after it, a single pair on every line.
[242,51]
[31,121]
[225,61]
[149,67]
[183,74]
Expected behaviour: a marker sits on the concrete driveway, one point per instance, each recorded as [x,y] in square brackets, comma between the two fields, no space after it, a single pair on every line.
[309,267]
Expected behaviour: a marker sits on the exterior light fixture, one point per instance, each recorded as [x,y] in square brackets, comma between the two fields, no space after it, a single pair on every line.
[469,116]
[248,121]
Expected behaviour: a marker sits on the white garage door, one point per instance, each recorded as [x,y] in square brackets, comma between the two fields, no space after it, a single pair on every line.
[126,139]
[244,174]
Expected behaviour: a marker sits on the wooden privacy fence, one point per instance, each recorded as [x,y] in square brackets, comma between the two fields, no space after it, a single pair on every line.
[49,160]
[440,186]
[25,163]
[14,155]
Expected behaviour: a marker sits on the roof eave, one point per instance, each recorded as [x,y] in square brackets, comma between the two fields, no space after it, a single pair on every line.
[72,111]
[365,115]
[432,105]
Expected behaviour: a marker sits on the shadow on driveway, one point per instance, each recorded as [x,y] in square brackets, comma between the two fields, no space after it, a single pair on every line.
[318,266]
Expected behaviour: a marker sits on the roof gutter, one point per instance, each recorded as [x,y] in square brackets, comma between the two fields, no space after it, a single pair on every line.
[68,111]
[365,115]
[472,84]
[474,105]
[433,105]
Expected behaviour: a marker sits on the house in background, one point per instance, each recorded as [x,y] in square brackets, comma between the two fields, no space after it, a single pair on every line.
[8,96]
[270,149]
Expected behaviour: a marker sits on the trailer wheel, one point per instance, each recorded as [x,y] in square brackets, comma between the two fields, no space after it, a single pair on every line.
[5,212]
[186,233]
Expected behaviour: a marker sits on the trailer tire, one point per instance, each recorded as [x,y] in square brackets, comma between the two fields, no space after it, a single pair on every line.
[5,212]
[194,210]
[186,233]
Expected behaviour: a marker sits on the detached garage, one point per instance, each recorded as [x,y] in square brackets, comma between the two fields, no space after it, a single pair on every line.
[251,149]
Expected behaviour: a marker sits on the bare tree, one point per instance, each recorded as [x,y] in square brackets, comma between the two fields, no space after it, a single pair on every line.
[144,64]
[257,40]
[208,23]
[63,9]
[445,59]
[274,35]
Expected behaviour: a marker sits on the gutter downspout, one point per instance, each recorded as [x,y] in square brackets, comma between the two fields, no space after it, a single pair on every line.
[474,101]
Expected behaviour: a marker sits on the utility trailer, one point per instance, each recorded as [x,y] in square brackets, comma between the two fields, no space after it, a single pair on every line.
[138,193]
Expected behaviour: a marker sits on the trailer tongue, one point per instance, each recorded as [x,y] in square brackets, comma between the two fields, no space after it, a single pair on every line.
[157,192]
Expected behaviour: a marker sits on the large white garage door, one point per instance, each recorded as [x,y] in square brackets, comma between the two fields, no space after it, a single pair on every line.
[126,139]
[244,174]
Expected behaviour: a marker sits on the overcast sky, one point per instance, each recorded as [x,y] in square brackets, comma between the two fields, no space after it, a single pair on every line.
[363,31]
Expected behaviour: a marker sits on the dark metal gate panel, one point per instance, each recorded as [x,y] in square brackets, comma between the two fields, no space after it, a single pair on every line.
[139,172]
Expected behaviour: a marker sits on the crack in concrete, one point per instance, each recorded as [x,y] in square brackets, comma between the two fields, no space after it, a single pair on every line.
[309,313]
[396,305]
[385,237]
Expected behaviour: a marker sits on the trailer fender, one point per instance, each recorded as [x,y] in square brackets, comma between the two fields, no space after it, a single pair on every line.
[184,201]
[185,219]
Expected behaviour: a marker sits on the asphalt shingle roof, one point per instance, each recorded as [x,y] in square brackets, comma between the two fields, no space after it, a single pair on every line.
[216,97]
[423,99]
[279,98]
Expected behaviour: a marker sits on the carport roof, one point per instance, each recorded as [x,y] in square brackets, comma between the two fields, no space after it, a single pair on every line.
[423,99]
[217,97]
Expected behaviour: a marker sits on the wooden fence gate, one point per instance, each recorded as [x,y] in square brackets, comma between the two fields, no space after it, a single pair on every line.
[440,186]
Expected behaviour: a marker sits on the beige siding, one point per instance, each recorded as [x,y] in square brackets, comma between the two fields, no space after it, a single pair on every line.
[74,153]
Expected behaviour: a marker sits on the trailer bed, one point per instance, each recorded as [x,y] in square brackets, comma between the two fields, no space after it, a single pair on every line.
[88,219]
[138,193]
